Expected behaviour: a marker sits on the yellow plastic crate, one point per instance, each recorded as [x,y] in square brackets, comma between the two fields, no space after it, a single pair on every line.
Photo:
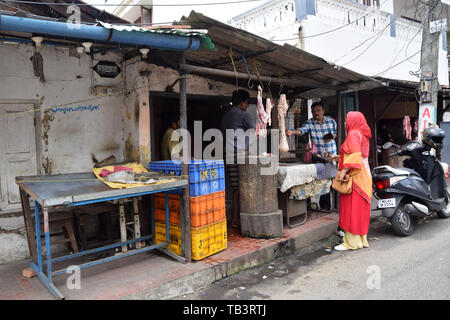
[174,236]
[208,240]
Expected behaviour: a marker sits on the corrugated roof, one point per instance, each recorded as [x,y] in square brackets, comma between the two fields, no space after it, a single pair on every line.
[205,41]
[271,59]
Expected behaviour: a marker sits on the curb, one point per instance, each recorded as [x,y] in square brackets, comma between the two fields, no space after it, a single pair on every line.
[203,278]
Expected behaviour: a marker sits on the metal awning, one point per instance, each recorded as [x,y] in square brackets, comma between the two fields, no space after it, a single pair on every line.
[309,75]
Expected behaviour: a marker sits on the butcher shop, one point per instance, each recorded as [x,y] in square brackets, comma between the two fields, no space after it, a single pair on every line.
[283,82]
[153,137]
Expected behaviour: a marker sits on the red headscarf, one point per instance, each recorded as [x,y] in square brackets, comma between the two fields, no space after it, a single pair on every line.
[358,134]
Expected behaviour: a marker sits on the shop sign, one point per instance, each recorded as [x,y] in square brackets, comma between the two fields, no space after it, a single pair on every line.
[427,114]
[107,69]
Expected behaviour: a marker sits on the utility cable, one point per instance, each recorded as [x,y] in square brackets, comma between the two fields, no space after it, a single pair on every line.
[376,35]
[133,5]
[329,31]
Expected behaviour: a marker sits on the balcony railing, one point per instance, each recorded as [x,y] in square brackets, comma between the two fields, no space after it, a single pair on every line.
[334,13]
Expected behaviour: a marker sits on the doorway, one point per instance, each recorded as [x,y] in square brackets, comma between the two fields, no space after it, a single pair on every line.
[18,149]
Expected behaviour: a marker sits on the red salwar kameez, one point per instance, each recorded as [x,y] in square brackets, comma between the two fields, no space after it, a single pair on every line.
[354,208]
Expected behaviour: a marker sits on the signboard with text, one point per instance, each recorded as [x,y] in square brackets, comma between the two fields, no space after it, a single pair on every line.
[438,25]
[427,114]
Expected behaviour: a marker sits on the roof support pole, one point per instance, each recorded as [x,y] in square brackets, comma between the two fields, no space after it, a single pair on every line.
[341,121]
[230,74]
[341,118]
[185,216]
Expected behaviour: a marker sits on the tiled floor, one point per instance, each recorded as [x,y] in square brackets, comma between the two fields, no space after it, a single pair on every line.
[128,276]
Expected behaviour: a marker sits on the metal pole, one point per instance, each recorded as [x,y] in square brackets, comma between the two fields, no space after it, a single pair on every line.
[430,65]
[340,130]
[305,82]
[341,118]
[38,235]
[47,245]
[185,215]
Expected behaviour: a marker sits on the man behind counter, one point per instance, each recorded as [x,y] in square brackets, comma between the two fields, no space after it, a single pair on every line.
[236,118]
[323,131]
[167,145]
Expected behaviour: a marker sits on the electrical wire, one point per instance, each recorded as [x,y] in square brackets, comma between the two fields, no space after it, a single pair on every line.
[322,33]
[134,5]
[414,54]
[329,31]
[377,35]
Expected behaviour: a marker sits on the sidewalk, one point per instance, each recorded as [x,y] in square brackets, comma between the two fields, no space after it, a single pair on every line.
[157,276]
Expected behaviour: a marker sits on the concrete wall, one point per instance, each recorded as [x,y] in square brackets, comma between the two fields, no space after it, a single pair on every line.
[117,125]
[78,125]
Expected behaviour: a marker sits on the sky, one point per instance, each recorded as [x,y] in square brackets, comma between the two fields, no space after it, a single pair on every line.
[220,12]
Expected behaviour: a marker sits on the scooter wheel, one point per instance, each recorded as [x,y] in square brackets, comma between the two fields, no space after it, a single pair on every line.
[402,223]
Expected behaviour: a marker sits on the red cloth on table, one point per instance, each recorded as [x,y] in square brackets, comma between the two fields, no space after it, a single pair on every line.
[105,172]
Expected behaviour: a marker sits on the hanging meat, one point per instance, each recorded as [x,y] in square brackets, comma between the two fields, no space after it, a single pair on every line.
[282,110]
[261,116]
[269,105]
[407,128]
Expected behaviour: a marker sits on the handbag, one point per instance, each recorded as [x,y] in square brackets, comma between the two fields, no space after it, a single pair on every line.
[345,186]
[307,158]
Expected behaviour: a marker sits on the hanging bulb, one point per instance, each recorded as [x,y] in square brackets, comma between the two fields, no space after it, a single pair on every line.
[144,52]
[87,46]
[80,50]
[37,41]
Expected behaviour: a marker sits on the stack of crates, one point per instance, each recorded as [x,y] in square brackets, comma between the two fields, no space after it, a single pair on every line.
[207,205]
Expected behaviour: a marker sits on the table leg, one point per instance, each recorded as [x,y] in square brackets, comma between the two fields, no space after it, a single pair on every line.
[137,224]
[47,245]
[123,224]
[27,217]
[152,218]
[167,219]
[37,226]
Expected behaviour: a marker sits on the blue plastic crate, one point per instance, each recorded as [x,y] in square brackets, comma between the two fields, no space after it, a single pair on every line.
[205,176]
[167,166]
[217,185]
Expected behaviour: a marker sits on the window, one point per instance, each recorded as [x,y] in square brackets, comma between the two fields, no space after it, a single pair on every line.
[146,16]
[371,3]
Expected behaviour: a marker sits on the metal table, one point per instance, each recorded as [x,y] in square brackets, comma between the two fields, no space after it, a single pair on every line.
[79,189]
[295,174]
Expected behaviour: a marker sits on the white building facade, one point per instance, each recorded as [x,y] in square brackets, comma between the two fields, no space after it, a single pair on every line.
[366,36]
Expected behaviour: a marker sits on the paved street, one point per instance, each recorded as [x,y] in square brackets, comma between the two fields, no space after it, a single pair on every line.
[414,267]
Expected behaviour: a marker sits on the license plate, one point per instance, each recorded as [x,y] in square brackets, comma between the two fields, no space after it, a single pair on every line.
[387,203]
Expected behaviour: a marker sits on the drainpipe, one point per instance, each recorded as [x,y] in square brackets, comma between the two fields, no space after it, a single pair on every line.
[97,33]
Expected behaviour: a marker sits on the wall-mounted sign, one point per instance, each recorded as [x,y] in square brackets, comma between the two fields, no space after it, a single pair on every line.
[427,114]
[438,25]
[107,69]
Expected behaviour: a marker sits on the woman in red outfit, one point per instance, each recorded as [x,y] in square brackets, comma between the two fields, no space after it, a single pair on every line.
[354,208]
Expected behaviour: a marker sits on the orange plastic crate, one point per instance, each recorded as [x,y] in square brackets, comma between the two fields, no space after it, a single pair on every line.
[160,202]
[174,217]
[207,209]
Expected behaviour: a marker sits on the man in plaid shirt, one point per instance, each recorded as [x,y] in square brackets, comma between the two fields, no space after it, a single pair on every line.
[323,131]
[318,127]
